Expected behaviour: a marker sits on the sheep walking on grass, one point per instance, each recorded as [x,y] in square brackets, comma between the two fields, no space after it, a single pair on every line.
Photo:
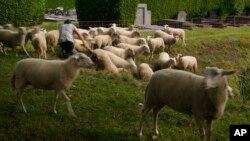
[13,39]
[204,97]
[55,75]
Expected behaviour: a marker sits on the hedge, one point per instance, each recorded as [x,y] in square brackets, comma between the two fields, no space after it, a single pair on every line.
[22,12]
[104,12]
[66,4]
[163,9]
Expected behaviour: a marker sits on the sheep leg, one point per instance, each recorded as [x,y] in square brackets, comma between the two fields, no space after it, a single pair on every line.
[54,102]
[68,103]
[25,51]
[155,116]
[209,129]
[143,116]
[20,99]
[200,125]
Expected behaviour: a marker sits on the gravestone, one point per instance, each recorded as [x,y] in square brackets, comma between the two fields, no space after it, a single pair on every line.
[143,16]
[182,16]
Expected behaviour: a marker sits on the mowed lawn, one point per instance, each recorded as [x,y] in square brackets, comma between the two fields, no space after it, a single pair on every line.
[107,105]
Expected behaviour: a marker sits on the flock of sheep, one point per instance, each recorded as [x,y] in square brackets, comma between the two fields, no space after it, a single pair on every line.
[117,49]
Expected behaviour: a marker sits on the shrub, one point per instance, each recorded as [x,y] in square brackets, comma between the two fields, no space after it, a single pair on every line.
[195,8]
[104,12]
[22,12]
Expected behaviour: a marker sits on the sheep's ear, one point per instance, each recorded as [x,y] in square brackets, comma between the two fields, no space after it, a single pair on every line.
[228,72]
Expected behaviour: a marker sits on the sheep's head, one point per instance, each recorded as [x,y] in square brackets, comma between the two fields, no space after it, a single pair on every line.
[130,53]
[22,30]
[83,60]
[136,33]
[214,77]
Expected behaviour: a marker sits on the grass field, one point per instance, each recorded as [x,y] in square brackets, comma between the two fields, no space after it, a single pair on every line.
[107,105]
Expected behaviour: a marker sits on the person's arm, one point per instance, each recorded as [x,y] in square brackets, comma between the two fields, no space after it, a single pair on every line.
[81,38]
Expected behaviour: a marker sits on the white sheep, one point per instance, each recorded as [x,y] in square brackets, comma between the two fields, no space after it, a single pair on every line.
[155,43]
[124,39]
[79,47]
[107,31]
[6,26]
[139,50]
[103,40]
[123,53]
[13,39]
[168,39]
[39,44]
[55,75]
[204,97]
[131,34]
[104,62]
[176,32]
[144,71]
[186,62]
[122,63]
[52,39]
[165,61]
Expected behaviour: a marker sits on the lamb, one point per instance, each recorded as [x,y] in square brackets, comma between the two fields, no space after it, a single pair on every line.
[55,75]
[155,43]
[144,71]
[131,34]
[13,39]
[165,61]
[204,97]
[176,32]
[52,39]
[123,53]
[139,50]
[186,62]
[168,39]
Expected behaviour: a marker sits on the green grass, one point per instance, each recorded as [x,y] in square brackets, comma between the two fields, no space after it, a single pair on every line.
[107,105]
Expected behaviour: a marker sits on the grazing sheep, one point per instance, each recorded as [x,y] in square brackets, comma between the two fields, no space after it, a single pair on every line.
[133,41]
[31,32]
[39,44]
[123,53]
[204,97]
[155,43]
[52,39]
[176,32]
[131,34]
[7,26]
[139,50]
[144,71]
[104,62]
[186,62]
[104,40]
[168,39]
[13,39]
[165,61]
[55,75]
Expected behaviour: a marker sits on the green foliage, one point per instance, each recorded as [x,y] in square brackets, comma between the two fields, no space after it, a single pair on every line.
[104,12]
[66,4]
[195,8]
[22,12]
